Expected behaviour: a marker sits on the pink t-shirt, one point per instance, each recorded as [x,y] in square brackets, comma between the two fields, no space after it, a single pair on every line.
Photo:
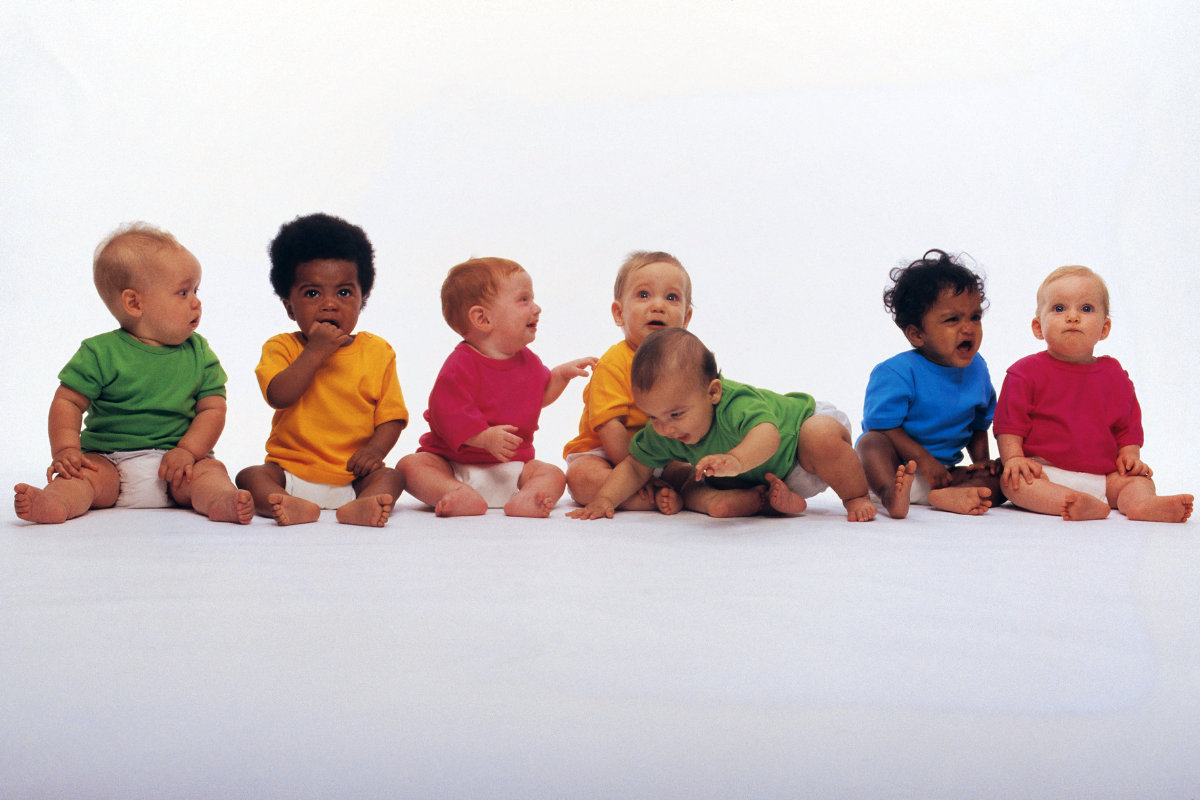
[1075,416]
[473,393]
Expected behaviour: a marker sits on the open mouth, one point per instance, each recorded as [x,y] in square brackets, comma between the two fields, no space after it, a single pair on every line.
[656,323]
[965,347]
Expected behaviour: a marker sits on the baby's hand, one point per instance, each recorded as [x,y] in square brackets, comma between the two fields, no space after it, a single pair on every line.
[499,440]
[573,369]
[600,507]
[937,475]
[990,466]
[1132,465]
[70,463]
[1017,468]
[365,461]
[718,465]
[176,467]
[324,338]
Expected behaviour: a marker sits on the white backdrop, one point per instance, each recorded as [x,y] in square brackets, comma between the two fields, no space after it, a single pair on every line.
[789,154]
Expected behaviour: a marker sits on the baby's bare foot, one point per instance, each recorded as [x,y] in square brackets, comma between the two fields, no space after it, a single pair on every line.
[529,504]
[973,500]
[288,510]
[738,502]
[1173,508]
[896,502]
[35,505]
[1080,505]
[668,500]
[783,499]
[234,506]
[462,502]
[860,509]
[372,511]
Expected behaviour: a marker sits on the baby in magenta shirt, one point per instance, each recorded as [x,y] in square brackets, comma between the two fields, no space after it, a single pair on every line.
[1068,424]
[486,401]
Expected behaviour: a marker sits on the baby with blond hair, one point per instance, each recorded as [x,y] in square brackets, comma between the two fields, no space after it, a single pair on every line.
[153,392]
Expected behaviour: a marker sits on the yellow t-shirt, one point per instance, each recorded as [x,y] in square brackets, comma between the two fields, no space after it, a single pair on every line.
[353,392]
[609,394]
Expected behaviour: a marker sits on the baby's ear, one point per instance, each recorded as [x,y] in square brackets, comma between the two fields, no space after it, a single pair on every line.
[131,303]
[714,390]
[915,336]
[287,306]
[618,314]
[1037,329]
[478,317]
[687,316]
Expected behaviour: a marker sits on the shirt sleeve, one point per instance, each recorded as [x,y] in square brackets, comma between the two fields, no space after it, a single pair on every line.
[278,353]
[746,410]
[453,413]
[390,407]
[985,413]
[1129,430]
[82,373]
[647,449]
[609,396]
[213,374]
[888,399]
[1013,408]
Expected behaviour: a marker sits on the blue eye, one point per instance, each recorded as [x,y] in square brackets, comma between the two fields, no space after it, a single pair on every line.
[1058,307]
[1087,308]
[672,297]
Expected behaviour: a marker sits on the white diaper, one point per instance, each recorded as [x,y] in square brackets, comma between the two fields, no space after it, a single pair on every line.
[600,452]
[1095,485]
[138,473]
[804,483]
[918,495]
[496,483]
[325,495]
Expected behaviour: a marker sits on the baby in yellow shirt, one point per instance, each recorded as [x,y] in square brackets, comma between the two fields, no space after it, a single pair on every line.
[652,291]
[339,410]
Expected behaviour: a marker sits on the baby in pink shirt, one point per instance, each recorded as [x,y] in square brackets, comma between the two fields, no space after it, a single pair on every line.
[486,401]
[1068,424]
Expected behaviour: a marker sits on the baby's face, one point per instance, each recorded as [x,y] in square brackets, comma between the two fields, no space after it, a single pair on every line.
[170,308]
[951,330]
[653,298]
[325,292]
[513,316]
[1073,318]
[680,406]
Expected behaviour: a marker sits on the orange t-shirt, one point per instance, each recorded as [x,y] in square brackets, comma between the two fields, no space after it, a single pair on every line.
[608,395]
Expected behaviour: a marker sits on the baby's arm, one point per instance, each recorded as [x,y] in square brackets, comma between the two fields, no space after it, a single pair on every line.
[290,383]
[561,375]
[66,418]
[201,437]
[621,484]
[614,438]
[761,442]
[1129,462]
[370,456]
[909,449]
[981,456]
[1016,465]
[499,440]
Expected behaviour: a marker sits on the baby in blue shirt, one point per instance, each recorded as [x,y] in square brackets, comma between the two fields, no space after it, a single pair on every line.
[925,405]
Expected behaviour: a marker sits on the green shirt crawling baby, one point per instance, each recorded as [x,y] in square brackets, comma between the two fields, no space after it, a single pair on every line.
[741,408]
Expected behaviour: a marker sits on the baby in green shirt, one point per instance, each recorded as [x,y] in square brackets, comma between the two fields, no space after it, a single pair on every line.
[153,391]
[777,449]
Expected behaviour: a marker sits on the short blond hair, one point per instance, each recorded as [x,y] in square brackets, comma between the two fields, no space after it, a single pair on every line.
[472,283]
[1043,292]
[120,260]
[644,258]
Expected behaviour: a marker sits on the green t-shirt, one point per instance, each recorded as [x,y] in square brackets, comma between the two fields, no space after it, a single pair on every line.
[741,408]
[141,396]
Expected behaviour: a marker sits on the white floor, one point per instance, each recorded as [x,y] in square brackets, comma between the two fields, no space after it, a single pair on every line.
[155,654]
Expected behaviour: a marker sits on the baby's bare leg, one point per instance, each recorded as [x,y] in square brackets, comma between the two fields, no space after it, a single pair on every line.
[824,449]
[377,493]
[1133,496]
[699,496]
[265,484]
[969,493]
[539,488]
[430,479]
[585,476]
[1045,497]
[212,494]
[66,498]
[890,479]
[782,499]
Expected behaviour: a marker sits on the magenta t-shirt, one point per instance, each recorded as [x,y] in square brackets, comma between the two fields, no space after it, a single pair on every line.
[473,392]
[1075,416]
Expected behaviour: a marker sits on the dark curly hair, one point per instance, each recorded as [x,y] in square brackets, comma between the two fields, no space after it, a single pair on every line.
[315,237]
[916,287]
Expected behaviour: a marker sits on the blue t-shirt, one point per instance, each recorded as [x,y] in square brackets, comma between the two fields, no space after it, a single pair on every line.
[939,407]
